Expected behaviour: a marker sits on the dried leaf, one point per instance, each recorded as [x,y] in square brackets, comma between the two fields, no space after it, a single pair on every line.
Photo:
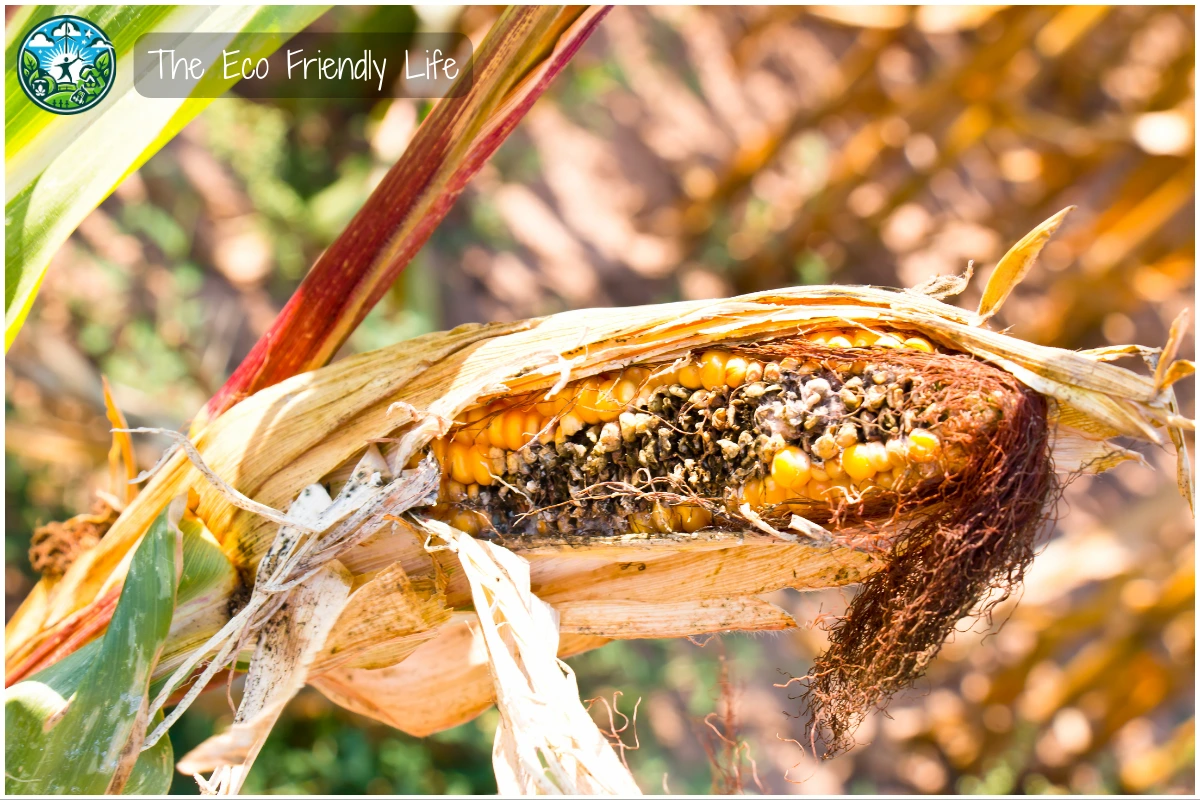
[1016,263]
[286,649]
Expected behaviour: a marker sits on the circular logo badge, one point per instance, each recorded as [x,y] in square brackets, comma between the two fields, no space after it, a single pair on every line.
[66,65]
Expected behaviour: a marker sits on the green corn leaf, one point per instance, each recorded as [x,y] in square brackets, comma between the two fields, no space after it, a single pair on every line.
[93,702]
[58,168]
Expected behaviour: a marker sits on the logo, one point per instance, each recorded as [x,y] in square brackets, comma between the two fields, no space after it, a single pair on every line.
[66,65]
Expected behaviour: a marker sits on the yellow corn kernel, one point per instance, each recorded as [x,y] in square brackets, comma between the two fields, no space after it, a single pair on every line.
[455,491]
[889,341]
[840,488]
[496,431]
[819,474]
[877,454]
[856,461]
[638,376]
[752,492]
[554,406]
[460,464]
[712,369]
[586,401]
[833,468]
[820,337]
[754,372]
[817,490]
[735,371]
[439,448]
[885,479]
[665,518]
[864,338]
[838,341]
[689,376]
[791,467]
[773,494]
[624,392]
[532,426]
[918,343]
[479,466]
[693,518]
[923,446]
[608,407]
[475,414]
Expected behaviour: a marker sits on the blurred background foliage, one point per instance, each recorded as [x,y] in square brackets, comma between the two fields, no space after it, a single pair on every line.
[692,153]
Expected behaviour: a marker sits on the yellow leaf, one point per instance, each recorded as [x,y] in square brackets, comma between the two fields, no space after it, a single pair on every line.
[1016,263]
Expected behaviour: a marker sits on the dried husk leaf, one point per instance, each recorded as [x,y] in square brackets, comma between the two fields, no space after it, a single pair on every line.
[626,619]
[278,669]
[1016,263]
[546,743]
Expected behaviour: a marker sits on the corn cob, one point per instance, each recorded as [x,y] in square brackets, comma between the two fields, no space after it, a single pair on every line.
[835,422]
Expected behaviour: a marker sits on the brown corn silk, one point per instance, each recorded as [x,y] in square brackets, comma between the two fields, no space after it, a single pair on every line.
[926,557]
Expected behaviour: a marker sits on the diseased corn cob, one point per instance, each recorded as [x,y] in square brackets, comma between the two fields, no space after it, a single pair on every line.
[839,421]
[969,468]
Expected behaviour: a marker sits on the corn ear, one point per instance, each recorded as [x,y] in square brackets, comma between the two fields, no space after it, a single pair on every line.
[318,427]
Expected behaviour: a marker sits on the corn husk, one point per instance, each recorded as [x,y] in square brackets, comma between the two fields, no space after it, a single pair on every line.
[400,650]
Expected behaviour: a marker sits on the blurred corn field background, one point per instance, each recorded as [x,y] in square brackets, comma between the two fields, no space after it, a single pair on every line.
[688,153]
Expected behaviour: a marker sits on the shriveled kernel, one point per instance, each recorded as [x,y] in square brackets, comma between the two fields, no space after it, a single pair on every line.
[754,372]
[455,491]
[897,452]
[791,468]
[735,371]
[923,446]
[570,424]
[918,343]
[771,372]
[825,447]
[856,460]
[712,368]
[846,435]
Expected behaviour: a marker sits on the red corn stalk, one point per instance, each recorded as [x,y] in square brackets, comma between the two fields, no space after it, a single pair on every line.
[525,49]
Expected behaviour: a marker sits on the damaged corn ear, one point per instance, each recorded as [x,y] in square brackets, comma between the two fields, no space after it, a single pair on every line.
[680,447]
